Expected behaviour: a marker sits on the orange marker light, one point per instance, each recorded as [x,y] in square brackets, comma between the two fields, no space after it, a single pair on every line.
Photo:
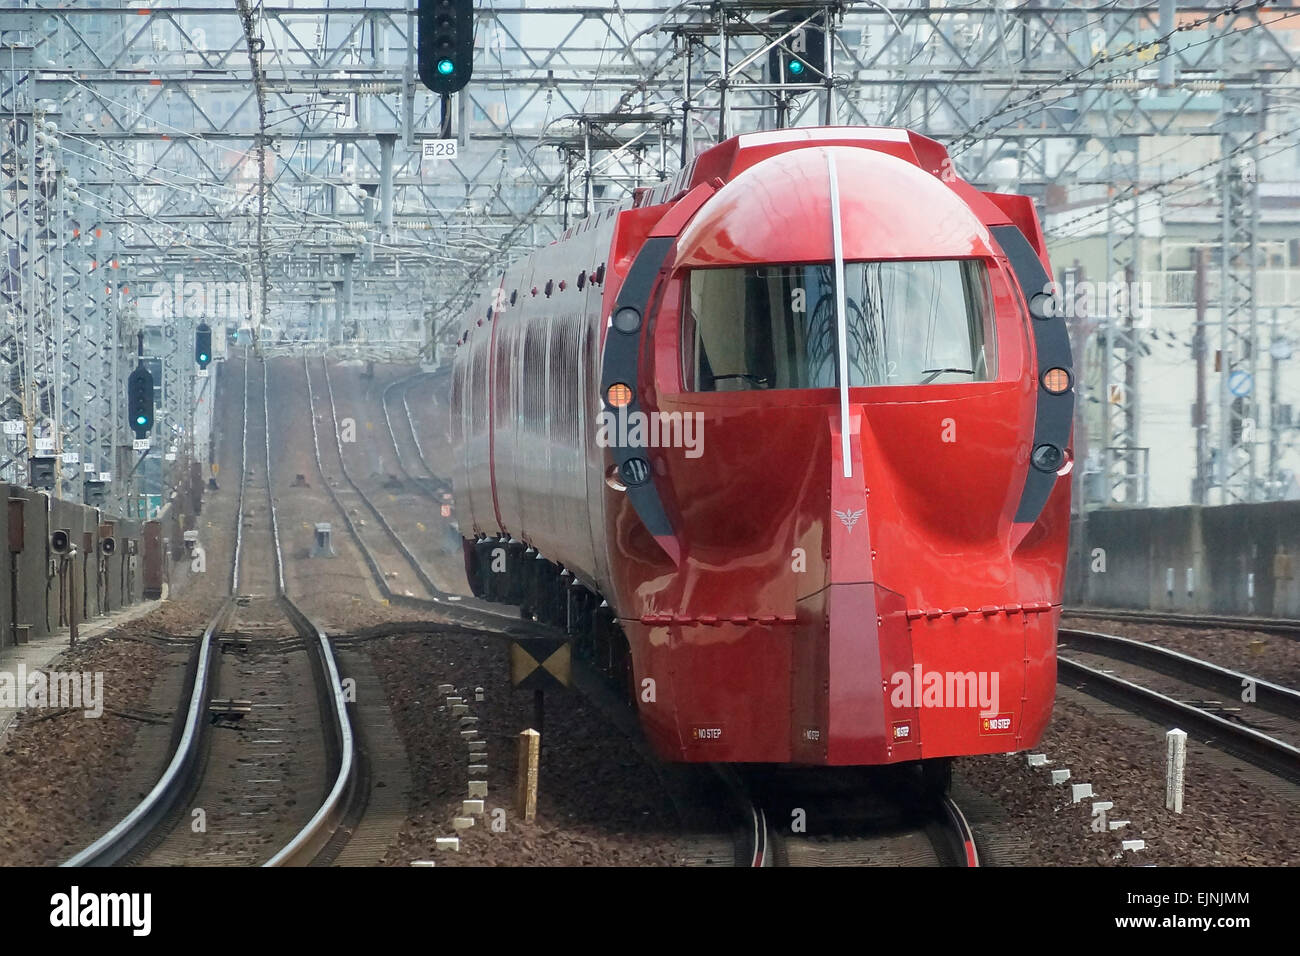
[619,395]
[1056,380]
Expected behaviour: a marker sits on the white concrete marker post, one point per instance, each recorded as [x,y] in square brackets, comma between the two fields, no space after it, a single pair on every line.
[1175,765]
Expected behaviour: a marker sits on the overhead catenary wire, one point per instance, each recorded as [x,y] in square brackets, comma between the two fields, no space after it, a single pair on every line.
[967,139]
[255,46]
[1156,189]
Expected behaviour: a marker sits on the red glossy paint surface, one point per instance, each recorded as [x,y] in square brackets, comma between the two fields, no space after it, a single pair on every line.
[784,634]
[779,211]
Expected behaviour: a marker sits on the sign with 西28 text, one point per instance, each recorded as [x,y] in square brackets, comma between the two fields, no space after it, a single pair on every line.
[436,150]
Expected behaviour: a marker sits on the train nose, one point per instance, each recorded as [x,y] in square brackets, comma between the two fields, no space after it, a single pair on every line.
[861,617]
[903,678]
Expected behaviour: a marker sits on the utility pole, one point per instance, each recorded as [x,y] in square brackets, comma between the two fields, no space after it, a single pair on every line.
[58,399]
[1080,326]
[1200,483]
[31,396]
[1277,348]
[1238,313]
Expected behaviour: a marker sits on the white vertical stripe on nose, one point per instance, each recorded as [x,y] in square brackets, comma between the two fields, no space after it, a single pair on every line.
[841,312]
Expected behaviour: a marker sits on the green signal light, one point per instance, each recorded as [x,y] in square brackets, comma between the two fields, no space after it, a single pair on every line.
[796,67]
[446,67]
[203,356]
[141,420]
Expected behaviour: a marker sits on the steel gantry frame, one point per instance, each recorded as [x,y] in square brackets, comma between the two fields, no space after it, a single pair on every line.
[157,113]
[1239,429]
[1029,96]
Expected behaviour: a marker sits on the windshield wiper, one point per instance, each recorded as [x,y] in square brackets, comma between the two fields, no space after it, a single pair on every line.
[760,382]
[936,372]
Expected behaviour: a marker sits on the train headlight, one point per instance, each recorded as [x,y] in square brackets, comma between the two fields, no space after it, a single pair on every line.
[1047,457]
[1043,305]
[626,320]
[618,395]
[1056,380]
[635,471]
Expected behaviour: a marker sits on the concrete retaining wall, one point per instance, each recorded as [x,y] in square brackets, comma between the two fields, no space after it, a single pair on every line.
[1230,559]
[48,586]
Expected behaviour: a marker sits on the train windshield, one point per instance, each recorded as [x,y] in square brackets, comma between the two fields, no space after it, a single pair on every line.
[912,322]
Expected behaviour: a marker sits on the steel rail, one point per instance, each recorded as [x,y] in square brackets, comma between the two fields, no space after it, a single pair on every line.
[406,552]
[1274,698]
[149,813]
[178,777]
[1268,625]
[320,829]
[1268,753]
[452,607]
[422,482]
[962,834]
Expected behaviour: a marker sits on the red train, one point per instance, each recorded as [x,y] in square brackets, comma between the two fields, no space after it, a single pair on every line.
[780,442]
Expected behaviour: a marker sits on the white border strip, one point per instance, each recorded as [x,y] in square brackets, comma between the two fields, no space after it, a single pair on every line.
[841,313]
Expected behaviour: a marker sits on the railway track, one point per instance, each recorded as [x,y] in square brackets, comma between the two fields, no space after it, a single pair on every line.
[1251,718]
[936,836]
[389,556]
[884,822]
[352,497]
[269,769]
[411,461]
[1266,625]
